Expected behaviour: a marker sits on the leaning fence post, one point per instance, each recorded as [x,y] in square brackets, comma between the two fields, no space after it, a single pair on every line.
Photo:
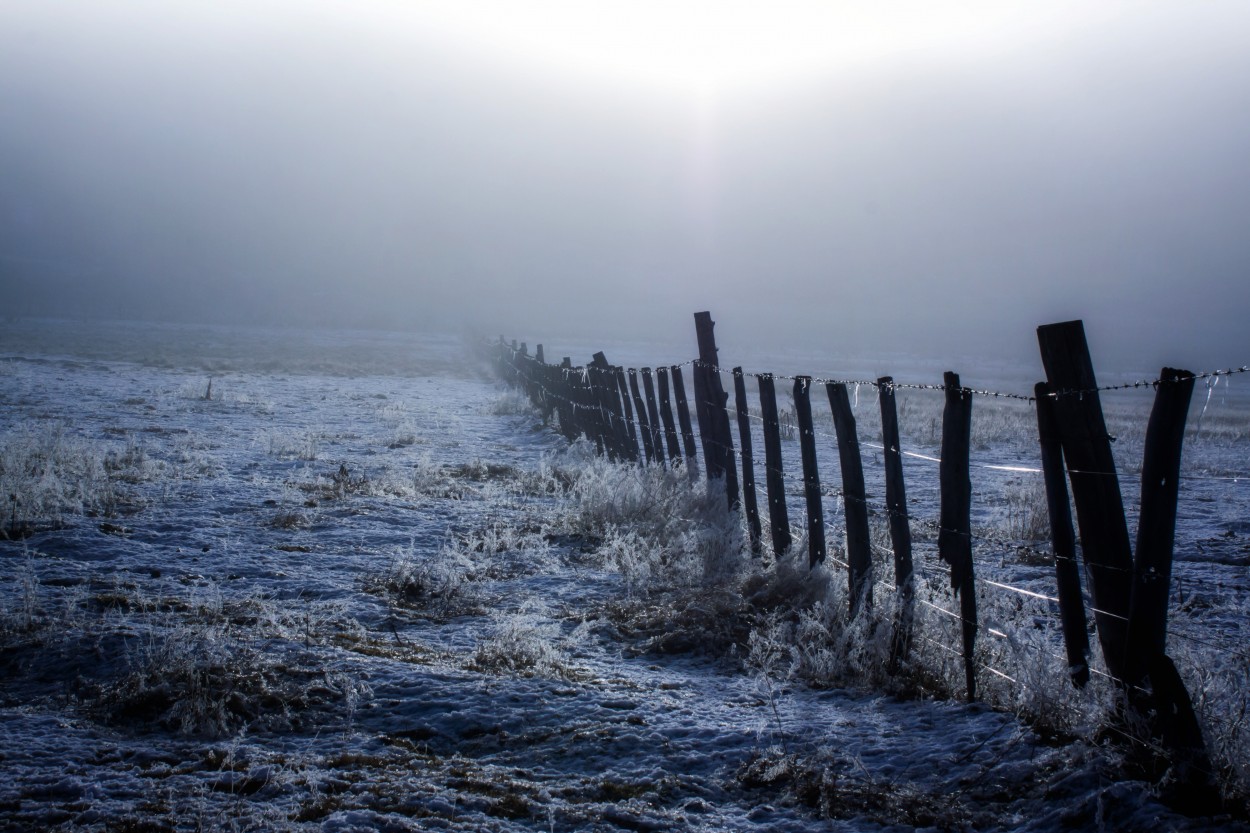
[570,419]
[748,460]
[720,443]
[603,386]
[1095,486]
[955,534]
[644,423]
[683,419]
[653,415]
[900,525]
[1067,573]
[591,414]
[630,425]
[854,499]
[666,416]
[811,475]
[778,516]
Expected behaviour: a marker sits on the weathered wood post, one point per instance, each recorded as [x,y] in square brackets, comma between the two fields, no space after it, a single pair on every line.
[653,415]
[666,415]
[748,459]
[589,412]
[683,419]
[854,499]
[598,374]
[811,474]
[630,424]
[1095,485]
[1156,530]
[640,410]
[1067,573]
[718,446]
[955,535]
[1176,725]
[566,406]
[900,524]
[774,476]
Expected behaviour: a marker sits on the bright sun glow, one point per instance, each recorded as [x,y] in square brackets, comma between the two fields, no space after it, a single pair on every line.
[710,45]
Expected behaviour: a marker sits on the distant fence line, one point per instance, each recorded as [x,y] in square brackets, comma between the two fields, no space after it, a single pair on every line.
[652,424]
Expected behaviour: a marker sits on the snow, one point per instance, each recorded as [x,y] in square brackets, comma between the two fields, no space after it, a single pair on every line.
[349,591]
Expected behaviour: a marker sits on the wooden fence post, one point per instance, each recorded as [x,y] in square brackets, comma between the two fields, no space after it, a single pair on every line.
[854,499]
[811,474]
[900,524]
[565,407]
[630,425]
[1095,485]
[1067,573]
[666,415]
[718,447]
[589,410]
[603,385]
[748,459]
[955,534]
[653,415]
[1156,529]
[683,419]
[1173,711]
[644,423]
[774,476]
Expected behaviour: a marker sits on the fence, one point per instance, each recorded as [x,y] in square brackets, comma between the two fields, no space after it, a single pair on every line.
[650,423]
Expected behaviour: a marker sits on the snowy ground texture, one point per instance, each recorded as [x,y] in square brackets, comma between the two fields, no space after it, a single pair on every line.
[356,585]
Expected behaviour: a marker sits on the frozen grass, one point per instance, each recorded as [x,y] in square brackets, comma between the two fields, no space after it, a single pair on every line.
[692,584]
[49,473]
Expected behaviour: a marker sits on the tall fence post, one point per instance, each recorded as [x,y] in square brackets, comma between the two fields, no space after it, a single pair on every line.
[683,419]
[1156,529]
[718,447]
[955,535]
[900,524]
[1173,711]
[1095,485]
[748,459]
[811,474]
[854,499]
[774,476]
[1067,573]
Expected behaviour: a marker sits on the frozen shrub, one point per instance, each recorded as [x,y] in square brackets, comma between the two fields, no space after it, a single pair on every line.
[46,474]
[438,584]
[523,645]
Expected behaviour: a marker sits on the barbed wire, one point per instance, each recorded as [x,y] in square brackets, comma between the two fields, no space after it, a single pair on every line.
[1134,385]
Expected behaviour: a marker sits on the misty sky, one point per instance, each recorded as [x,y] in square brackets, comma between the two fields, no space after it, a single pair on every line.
[938,177]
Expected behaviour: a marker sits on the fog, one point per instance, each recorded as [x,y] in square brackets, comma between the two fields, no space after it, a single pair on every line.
[369,165]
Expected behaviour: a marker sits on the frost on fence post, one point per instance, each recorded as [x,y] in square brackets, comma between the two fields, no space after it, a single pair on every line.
[855,503]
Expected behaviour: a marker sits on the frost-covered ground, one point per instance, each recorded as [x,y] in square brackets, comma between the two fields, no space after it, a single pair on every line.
[355,585]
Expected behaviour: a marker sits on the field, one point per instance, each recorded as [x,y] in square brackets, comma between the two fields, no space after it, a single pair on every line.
[284,580]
